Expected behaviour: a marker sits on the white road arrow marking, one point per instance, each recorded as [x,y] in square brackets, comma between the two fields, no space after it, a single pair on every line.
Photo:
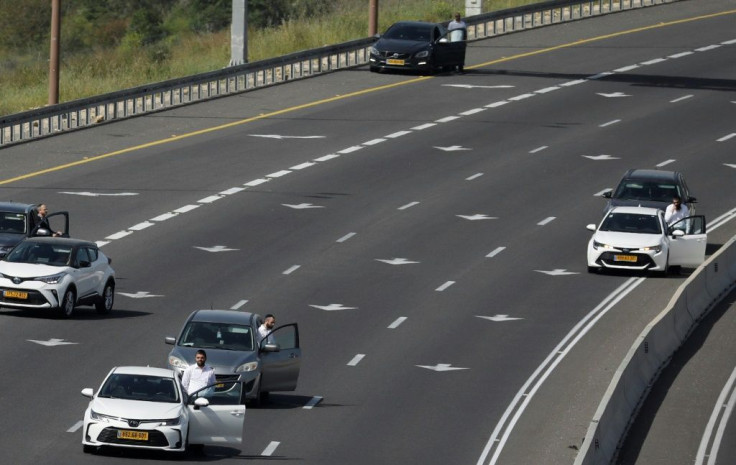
[557,272]
[333,307]
[470,86]
[614,95]
[216,248]
[278,136]
[442,367]
[139,295]
[99,194]
[452,148]
[601,157]
[499,318]
[396,261]
[302,206]
[478,216]
[52,342]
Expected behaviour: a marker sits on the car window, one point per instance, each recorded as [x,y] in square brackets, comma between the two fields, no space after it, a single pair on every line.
[14,223]
[93,253]
[402,32]
[140,387]
[631,223]
[206,335]
[82,256]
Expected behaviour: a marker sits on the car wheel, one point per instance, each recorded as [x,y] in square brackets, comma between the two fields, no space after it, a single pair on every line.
[666,269]
[67,303]
[105,301]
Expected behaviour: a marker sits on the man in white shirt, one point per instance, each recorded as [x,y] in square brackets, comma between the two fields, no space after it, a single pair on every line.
[458,25]
[199,375]
[264,331]
[676,211]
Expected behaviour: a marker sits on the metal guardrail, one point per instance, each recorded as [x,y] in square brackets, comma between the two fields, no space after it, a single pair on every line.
[82,113]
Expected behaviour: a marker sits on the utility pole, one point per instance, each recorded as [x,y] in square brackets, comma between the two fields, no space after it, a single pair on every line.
[239,33]
[373,18]
[54,59]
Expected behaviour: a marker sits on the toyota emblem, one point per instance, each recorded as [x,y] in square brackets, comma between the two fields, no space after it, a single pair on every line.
[17,280]
[134,423]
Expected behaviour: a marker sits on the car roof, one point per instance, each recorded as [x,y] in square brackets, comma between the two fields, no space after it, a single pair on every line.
[147,371]
[635,210]
[61,241]
[17,207]
[660,175]
[414,23]
[222,316]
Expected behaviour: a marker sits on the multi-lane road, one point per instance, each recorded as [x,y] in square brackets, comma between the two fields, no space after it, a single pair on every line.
[427,234]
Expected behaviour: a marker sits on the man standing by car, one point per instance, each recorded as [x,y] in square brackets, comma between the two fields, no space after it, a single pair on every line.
[676,211]
[199,375]
[458,31]
[41,222]
[264,331]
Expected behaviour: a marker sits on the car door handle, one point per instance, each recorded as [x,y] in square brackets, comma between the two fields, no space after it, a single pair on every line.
[236,413]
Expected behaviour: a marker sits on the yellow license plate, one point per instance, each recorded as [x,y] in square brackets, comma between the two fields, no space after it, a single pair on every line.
[624,258]
[393,61]
[16,294]
[133,435]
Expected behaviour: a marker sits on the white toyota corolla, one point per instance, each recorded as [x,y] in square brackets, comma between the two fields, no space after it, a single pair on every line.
[147,408]
[638,238]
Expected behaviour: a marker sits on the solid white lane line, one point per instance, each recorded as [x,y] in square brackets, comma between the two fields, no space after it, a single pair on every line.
[292,269]
[408,205]
[346,237]
[312,402]
[255,182]
[729,42]
[546,221]
[495,252]
[445,286]
[684,97]
[398,134]
[356,360]
[707,48]
[539,149]
[327,157]
[238,305]
[271,448]
[76,426]
[397,322]
[665,163]
[609,123]
[718,409]
[476,175]
[302,166]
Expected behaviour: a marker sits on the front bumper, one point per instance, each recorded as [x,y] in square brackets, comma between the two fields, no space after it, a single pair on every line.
[38,295]
[620,260]
[158,438]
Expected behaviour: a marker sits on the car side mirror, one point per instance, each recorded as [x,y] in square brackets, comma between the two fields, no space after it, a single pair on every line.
[590,227]
[88,392]
[170,340]
[43,232]
[692,200]
[443,40]
[607,194]
[678,233]
[270,348]
[200,402]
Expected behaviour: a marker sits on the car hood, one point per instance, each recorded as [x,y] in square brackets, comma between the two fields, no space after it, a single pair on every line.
[29,270]
[400,46]
[627,240]
[223,361]
[137,409]
[10,239]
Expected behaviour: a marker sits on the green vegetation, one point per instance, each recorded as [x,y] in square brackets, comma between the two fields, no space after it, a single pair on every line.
[117,44]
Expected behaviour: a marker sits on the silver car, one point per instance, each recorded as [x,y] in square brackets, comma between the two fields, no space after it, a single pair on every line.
[230,339]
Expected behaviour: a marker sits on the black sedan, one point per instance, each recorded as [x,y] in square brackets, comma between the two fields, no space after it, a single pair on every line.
[650,188]
[419,46]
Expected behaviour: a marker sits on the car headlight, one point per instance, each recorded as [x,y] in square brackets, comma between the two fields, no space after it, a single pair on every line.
[171,421]
[654,248]
[250,366]
[599,245]
[176,362]
[53,279]
[422,54]
[101,417]
[374,51]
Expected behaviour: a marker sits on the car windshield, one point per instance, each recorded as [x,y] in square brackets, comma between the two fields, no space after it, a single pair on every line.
[13,223]
[40,254]
[409,32]
[226,336]
[140,387]
[631,189]
[631,223]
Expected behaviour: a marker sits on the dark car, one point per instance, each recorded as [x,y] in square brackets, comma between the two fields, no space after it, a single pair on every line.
[650,188]
[419,46]
[234,351]
[17,221]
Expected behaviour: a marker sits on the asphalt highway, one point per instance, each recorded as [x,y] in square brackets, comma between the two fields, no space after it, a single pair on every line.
[426,233]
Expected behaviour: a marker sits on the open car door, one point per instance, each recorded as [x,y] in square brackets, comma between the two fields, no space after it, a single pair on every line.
[222,420]
[451,47]
[59,221]
[688,249]
[280,359]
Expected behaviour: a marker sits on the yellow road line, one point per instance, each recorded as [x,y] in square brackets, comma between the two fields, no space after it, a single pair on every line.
[350,95]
